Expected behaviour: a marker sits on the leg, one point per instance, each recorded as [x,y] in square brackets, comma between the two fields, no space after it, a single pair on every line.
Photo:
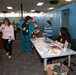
[28,44]
[5,44]
[45,64]
[10,48]
[15,34]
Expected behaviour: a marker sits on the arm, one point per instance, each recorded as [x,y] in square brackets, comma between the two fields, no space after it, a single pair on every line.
[31,29]
[12,32]
[22,29]
[20,24]
[44,32]
[60,44]
[2,27]
[36,31]
[57,41]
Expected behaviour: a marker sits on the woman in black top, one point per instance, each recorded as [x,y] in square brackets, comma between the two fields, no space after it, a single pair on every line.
[63,36]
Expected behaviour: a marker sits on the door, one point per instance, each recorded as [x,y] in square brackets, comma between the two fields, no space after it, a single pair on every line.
[65,18]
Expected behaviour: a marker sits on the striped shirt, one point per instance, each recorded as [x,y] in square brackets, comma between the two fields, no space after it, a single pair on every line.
[48,30]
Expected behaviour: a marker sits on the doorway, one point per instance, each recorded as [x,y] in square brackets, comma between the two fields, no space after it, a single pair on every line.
[65,18]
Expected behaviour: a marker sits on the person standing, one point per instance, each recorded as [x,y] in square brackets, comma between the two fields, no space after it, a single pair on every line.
[36,29]
[48,29]
[7,36]
[26,33]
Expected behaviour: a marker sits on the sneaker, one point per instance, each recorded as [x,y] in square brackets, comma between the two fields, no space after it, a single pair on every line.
[7,53]
[22,52]
[9,56]
[25,53]
[28,52]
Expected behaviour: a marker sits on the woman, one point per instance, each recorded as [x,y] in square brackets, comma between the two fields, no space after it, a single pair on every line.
[26,33]
[36,29]
[48,29]
[63,36]
[7,36]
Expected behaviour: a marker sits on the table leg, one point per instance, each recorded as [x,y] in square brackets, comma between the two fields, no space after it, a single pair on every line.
[69,58]
[45,64]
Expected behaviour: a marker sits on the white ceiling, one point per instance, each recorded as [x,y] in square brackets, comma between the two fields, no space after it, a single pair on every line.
[30,5]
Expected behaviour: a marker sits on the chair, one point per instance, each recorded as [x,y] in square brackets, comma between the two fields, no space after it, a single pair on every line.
[73,47]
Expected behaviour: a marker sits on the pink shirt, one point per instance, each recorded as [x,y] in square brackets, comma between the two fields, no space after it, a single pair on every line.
[7,31]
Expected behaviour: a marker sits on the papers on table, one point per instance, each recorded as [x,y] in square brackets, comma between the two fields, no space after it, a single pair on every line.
[54,52]
[43,47]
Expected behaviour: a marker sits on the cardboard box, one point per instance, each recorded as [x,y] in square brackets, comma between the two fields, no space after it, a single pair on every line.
[50,69]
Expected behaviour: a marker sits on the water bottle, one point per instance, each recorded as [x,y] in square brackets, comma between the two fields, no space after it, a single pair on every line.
[65,46]
[9,39]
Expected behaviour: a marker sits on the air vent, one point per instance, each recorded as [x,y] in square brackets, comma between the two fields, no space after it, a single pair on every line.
[54,1]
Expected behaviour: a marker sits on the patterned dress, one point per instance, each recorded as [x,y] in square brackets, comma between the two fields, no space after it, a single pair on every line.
[26,43]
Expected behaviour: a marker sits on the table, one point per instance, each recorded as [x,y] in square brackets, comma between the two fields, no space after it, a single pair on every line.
[42,46]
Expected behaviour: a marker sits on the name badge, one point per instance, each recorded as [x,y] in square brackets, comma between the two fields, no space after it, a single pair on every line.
[26,30]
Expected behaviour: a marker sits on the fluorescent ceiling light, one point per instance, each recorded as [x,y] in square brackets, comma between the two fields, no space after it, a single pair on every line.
[32,10]
[68,0]
[40,4]
[9,7]
[51,8]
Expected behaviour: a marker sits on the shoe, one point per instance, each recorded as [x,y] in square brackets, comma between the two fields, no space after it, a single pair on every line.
[7,53]
[28,52]
[25,53]
[9,56]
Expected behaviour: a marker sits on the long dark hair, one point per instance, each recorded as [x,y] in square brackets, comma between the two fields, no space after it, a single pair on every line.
[7,21]
[49,22]
[64,32]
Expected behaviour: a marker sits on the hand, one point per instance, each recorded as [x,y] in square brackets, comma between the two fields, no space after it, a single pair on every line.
[43,35]
[3,26]
[22,29]
[58,43]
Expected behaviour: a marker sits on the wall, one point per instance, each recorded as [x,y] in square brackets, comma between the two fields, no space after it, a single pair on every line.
[56,19]
[41,20]
[16,19]
[72,19]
